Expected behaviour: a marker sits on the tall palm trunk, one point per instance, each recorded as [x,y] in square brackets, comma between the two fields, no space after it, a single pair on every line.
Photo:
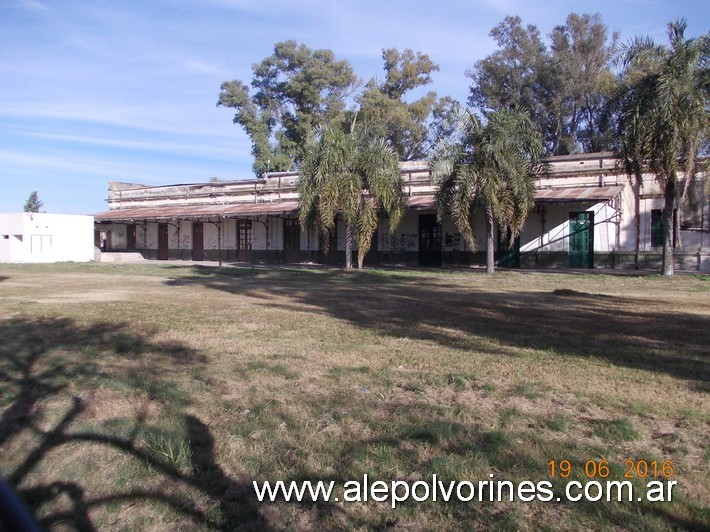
[348,247]
[670,199]
[490,250]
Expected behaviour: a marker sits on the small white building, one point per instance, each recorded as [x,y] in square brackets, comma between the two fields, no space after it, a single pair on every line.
[43,237]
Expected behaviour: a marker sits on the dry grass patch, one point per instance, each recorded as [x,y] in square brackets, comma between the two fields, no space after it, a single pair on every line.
[151,396]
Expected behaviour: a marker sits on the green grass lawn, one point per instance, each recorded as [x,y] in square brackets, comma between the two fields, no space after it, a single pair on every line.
[151,396]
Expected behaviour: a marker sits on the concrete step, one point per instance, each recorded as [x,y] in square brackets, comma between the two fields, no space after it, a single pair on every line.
[120,256]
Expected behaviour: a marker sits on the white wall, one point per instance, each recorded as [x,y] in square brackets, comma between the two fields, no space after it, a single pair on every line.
[406,238]
[11,236]
[556,235]
[43,237]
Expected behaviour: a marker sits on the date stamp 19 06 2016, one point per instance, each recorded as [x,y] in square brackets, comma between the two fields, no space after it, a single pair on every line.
[601,469]
[618,485]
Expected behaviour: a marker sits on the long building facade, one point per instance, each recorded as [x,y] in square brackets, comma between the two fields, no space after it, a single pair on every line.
[587,214]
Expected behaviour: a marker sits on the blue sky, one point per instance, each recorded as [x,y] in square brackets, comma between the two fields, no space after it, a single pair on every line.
[126,90]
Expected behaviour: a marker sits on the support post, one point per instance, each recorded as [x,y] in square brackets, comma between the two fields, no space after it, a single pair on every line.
[219,240]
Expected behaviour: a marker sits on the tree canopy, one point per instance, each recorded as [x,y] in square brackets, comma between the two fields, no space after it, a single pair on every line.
[565,87]
[654,113]
[33,203]
[662,120]
[411,128]
[353,174]
[489,163]
[295,89]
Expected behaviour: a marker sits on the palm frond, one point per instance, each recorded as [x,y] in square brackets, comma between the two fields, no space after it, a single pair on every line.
[342,173]
[364,229]
[492,163]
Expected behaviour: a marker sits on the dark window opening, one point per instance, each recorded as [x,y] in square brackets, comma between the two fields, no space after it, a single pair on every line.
[657,227]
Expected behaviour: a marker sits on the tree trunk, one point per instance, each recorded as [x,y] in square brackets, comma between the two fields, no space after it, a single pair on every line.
[670,196]
[348,247]
[490,250]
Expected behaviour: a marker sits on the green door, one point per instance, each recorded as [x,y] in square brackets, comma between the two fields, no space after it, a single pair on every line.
[508,257]
[581,239]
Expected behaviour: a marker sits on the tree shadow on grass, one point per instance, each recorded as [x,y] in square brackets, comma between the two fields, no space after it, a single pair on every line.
[630,332]
[417,443]
[46,360]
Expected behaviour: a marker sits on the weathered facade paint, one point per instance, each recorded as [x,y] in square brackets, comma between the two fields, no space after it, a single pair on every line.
[588,183]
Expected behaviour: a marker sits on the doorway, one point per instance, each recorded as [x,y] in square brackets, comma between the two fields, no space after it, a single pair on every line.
[162,241]
[332,256]
[292,240]
[508,257]
[198,241]
[581,239]
[373,256]
[131,237]
[429,241]
[244,237]
[102,239]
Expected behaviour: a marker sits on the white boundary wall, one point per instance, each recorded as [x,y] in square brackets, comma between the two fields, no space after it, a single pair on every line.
[43,237]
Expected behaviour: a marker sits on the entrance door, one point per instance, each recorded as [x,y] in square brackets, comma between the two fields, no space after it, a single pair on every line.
[162,241]
[429,241]
[131,236]
[198,241]
[508,257]
[581,239]
[102,239]
[373,256]
[244,241]
[332,256]
[292,240]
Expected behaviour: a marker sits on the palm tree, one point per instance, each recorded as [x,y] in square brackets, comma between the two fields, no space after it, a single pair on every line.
[351,173]
[663,123]
[631,103]
[490,163]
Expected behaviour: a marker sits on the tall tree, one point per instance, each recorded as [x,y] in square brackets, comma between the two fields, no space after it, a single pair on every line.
[296,89]
[409,127]
[353,174]
[33,203]
[564,87]
[664,123]
[491,164]
[629,110]
[582,52]
[512,75]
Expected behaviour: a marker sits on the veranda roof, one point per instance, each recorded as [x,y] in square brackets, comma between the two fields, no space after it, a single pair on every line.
[197,212]
[552,195]
[290,208]
[577,194]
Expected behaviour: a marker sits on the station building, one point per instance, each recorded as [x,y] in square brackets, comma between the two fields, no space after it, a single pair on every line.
[585,216]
